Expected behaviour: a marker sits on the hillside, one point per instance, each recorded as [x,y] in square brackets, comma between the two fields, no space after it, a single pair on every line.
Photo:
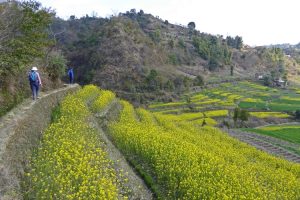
[139,56]
[209,132]
[176,159]
[292,53]
[143,57]
[25,42]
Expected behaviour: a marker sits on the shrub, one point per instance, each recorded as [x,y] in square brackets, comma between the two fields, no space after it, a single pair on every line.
[56,65]
[199,81]
[297,114]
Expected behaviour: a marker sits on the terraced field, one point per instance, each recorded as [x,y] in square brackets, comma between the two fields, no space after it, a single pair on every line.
[177,157]
[272,145]
[214,107]
[71,162]
[262,103]
[189,162]
[281,140]
[290,133]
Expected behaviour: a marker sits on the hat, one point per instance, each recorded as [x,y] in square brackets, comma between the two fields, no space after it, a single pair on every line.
[34,69]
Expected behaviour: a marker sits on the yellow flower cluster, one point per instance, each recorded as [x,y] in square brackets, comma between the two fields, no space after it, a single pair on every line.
[234,97]
[198,97]
[104,99]
[170,104]
[189,162]
[251,100]
[187,116]
[71,162]
[269,114]
[280,127]
[291,98]
[226,98]
[226,103]
[196,118]
[217,92]
[89,93]
[216,113]
[208,101]
[256,86]
[225,94]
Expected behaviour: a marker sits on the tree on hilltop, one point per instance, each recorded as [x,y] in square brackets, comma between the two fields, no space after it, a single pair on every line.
[238,42]
[191,25]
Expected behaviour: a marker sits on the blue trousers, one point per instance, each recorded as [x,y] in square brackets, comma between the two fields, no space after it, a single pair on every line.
[71,79]
[35,90]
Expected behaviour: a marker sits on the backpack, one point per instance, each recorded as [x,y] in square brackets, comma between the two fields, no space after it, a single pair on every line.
[70,72]
[33,76]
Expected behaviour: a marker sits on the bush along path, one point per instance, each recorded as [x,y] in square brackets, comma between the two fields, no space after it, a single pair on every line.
[76,161]
[268,144]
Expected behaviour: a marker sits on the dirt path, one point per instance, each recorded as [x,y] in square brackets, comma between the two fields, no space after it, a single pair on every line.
[268,144]
[27,104]
[11,126]
[20,131]
[9,121]
[136,185]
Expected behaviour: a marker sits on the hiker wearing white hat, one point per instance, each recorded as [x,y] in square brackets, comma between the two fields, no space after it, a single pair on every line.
[35,82]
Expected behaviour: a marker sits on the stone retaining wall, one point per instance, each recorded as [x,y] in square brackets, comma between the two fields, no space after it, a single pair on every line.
[20,132]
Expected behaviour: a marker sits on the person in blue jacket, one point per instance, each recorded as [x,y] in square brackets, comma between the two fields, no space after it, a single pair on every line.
[35,82]
[71,75]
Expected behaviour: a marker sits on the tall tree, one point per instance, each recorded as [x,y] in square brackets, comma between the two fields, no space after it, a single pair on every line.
[238,42]
[192,25]
[23,34]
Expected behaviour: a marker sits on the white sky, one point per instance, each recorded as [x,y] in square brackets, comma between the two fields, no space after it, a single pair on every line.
[259,22]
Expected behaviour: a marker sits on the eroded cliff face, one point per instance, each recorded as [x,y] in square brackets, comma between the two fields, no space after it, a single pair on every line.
[20,131]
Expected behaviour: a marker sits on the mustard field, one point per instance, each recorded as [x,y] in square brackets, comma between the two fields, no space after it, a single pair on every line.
[269,114]
[178,157]
[189,162]
[70,162]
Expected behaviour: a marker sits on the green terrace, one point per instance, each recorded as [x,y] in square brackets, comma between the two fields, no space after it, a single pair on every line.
[261,101]
[290,133]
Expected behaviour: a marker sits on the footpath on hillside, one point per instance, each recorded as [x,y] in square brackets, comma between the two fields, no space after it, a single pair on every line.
[21,130]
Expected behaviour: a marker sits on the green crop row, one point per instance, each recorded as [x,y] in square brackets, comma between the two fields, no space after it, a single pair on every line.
[288,133]
[269,114]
